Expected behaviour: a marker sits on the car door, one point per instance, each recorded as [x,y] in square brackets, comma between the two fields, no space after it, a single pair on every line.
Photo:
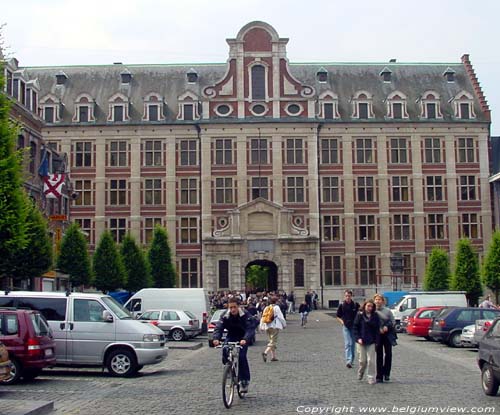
[168,320]
[89,333]
[490,346]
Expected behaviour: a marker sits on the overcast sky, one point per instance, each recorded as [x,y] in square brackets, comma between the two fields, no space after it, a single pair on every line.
[70,32]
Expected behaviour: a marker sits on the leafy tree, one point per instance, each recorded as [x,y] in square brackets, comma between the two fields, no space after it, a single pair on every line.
[466,276]
[437,273]
[491,266]
[257,276]
[160,260]
[36,257]
[109,272]
[137,275]
[74,257]
[13,199]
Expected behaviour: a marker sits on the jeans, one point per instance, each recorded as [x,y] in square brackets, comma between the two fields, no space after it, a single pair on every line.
[349,344]
[244,368]
[384,357]
[366,355]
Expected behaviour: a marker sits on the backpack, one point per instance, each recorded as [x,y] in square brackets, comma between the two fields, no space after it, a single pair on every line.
[268,314]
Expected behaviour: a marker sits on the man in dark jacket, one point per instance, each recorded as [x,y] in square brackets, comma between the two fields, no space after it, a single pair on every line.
[240,328]
[346,313]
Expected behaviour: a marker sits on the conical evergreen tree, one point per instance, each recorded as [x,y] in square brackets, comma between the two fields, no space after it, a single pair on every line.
[74,257]
[491,266]
[466,276]
[160,260]
[109,273]
[137,274]
[437,273]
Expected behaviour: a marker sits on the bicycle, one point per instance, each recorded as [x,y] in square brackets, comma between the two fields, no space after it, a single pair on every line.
[303,321]
[230,375]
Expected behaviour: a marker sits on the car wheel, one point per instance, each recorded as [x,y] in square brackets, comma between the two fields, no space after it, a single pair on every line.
[121,363]
[30,374]
[177,335]
[429,338]
[488,380]
[454,340]
[15,373]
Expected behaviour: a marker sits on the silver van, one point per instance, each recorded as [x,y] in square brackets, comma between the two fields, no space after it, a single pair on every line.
[93,329]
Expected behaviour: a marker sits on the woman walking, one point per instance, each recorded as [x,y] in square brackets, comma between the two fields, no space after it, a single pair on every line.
[386,340]
[272,322]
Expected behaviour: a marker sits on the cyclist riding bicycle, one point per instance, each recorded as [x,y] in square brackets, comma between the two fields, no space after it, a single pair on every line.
[240,328]
[304,311]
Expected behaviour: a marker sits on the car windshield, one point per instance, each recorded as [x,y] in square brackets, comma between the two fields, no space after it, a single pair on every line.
[116,308]
[190,315]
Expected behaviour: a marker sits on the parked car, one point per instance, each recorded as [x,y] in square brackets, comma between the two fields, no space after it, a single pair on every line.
[178,324]
[4,363]
[216,316]
[467,336]
[29,341]
[447,327]
[482,327]
[420,321]
[489,359]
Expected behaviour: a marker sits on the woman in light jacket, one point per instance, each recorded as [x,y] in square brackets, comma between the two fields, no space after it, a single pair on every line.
[272,329]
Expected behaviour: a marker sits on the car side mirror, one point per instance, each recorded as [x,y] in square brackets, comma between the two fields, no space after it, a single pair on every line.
[107,317]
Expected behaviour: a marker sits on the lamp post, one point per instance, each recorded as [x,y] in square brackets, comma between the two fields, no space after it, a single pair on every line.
[397,266]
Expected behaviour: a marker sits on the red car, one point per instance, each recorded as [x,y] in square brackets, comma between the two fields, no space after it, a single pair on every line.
[420,321]
[29,341]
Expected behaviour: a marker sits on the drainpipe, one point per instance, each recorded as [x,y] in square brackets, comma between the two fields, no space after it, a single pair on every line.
[318,149]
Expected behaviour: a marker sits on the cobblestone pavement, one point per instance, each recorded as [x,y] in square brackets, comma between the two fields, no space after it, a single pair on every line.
[310,376]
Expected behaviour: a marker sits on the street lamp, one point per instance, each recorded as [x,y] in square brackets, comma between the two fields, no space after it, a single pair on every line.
[397,267]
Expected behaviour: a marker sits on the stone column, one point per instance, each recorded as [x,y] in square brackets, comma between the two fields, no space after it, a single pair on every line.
[170,169]
[484,186]
[100,187]
[452,186]
[349,217]
[277,162]
[418,212]
[135,188]
[384,216]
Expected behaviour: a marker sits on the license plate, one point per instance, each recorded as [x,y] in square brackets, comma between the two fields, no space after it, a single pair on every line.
[48,353]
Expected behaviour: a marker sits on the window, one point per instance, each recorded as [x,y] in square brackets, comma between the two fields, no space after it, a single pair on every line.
[364,150]
[298,272]
[189,191]
[188,112]
[331,228]
[189,230]
[118,113]
[402,227]
[332,270]
[85,193]
[365,189]
[84,109]
[366,227]
[464,106]
[188,153]
[153,153]
[399,150]
[118,228]
[83,154]
[466,150]
[85,225]
[48,114]
[294,151]
[83,113]
[153,112]
[331,190]
[432,150]
[89,311]
[464,110]
[467,188]
[53,309]
[470,225]
[408,271]
[400,189]
[149,227]
[329,151]
[367,269]
[224,190]
[118,192]
[436,226]
[9,82]
[328,111]
[363,110]
[434,187]
[224,151]
[8,324]
[295,189]
[189,273]
[118,153]
[224,273]
[152,192]
[397,110]
[33,156]
[260,187]
[431,110]
[258,82]
[258,151]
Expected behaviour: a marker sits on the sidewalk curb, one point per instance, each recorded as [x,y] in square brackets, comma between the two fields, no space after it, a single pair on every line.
[16,407]
[190,346]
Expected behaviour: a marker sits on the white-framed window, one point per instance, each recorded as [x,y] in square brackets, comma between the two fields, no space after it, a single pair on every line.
[365,152]
[401,227]
[188,151]
[85,225]
[259,151]
[365,189]
[118,151]
[84,109]
[430,106]
[223,151]
[153,107]
[224,190]
[330,151]
[400,189]
[435,226]
[295,189]
[83,152]
[332,270]
[396,106]
[153,153]
[189,191]
[332,228]
[189,273]
[328,106]
[466,150]
[118,228]
[399,150]
[259,109]
[224,110]
[294,151]
[85,193]
[432,150]
[149,227]
[50,109]
[188,230]
[188,107]
[367,227]
[469,225]
[467,187]
[294,109]
[153,191]
[362,105]
[434,188]
[463,104]
[118,108]
[260,187]
[117,192]
[258,75]
[330,186]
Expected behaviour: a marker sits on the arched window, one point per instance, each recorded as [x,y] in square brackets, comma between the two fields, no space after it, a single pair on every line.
[258,82]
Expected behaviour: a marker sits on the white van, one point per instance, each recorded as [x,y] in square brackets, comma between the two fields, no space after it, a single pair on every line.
[417,299]
[94,330]
[185,299]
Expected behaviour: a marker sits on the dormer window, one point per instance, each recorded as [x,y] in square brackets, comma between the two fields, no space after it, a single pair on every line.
[32,89]
[19,86]
[84,109]
[48,114]
[430,107]
[464,106]
[328,105]
[118,108]
[192,76]
[449,75]
[188,107]
[362,103]
[61,78]
[386,74]
[153,108]
[126,76]
[50,107]
[396,106]
[9,80]
[322,75]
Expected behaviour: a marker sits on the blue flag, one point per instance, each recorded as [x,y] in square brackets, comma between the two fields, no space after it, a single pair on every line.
[43,170]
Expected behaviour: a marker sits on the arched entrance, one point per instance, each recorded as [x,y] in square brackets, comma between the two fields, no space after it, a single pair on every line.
[269,284]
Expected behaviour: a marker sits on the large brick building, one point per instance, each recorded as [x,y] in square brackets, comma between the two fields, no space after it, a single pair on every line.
[322,171]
